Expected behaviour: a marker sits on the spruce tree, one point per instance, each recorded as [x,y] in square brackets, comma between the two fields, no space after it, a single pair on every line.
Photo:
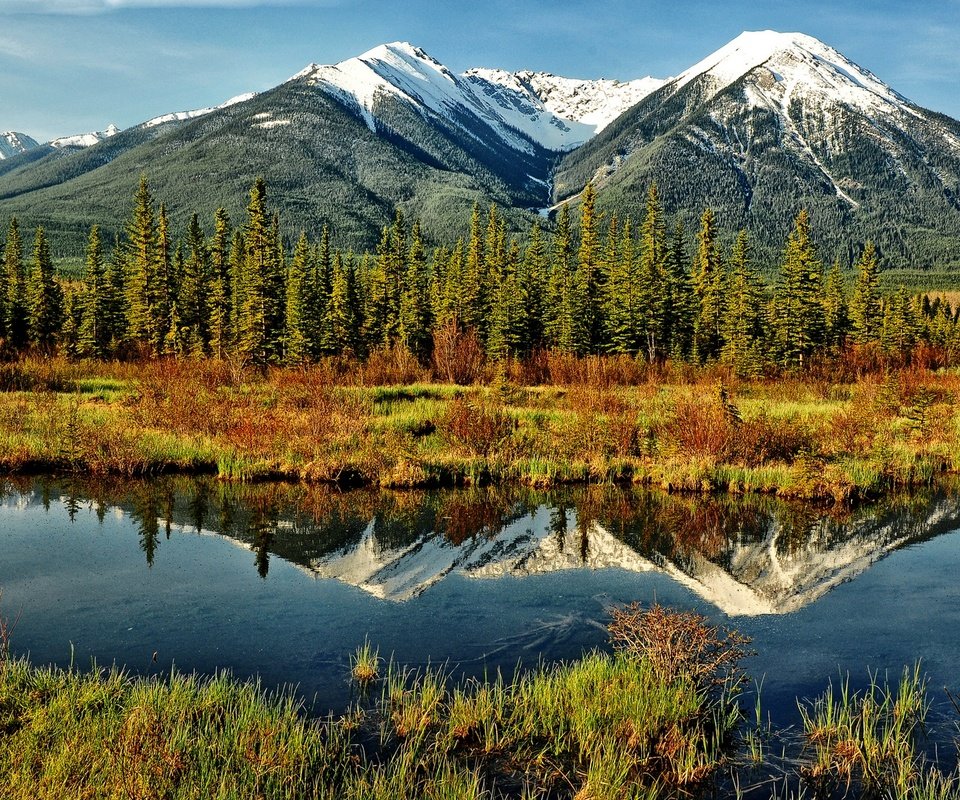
[508,323]
[900,328]
[865,310]
[116,298]
[567,292]
[93,329]
[70,324]
[709,284]
[341,314]
[589,267]
[45,297]
[622,308]
[800,315]
[14,306]
[743,323]
[142,281]
[836,315]
[376,295]
[297,338]
[414,299]
[220,300]
[260,323]
[238,259]
[682,304]
[473,301]
[654,280]
[195,294]
[168,277]
[533,279]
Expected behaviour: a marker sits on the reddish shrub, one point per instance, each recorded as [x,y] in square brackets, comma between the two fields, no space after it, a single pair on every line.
[457,354]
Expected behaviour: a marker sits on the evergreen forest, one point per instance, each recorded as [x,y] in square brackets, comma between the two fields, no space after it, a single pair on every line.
[594,285]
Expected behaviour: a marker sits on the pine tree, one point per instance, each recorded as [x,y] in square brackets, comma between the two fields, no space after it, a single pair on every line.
[297,341]
[45,296]
[709,284]
[414,299]
[142,278]
[195,295]
[654,280]
[801,320]
[220,305]
[865,310]
[743,323]
[836,316]
[93,330]
[14,322]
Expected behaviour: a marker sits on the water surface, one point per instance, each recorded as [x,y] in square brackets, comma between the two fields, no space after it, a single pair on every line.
[285,582]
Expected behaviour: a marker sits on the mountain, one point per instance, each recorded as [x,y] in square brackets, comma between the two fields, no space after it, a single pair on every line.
[767,125]
[84,139]
[343,145]
[13,143]
[773,122]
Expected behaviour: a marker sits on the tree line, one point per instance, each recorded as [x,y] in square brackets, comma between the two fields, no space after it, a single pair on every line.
[602,286]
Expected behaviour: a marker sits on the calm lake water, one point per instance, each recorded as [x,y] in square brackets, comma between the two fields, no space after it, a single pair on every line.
[285,582]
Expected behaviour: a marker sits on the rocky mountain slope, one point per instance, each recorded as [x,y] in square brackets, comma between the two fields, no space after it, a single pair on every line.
[768,124]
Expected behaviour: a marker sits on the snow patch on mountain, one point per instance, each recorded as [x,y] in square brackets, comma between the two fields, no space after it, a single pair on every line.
[85,139]
[183,116]
[593,104]
[555,113]
[13,143]
[795,64]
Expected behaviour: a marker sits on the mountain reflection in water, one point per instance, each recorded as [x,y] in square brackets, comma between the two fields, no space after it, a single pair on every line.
[747,556]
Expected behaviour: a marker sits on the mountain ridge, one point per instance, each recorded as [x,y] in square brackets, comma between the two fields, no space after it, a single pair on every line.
[767,124]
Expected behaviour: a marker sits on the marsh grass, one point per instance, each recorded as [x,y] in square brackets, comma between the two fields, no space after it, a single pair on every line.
[602,420]
[365,664]
[868,741]
[606,726]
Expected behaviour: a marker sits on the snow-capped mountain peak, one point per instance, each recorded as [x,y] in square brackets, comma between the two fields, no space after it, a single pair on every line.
[595,103]
[13,143]
[85,139]
[792,63]
[555,113]
[183,116]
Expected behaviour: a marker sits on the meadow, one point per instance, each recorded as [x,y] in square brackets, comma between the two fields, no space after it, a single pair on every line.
[841,432]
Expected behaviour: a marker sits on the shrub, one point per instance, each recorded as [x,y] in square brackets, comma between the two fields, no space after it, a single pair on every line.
[477,427]
[457,354]
[679,644]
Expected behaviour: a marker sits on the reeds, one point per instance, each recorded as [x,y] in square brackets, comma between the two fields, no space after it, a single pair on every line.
[801,437]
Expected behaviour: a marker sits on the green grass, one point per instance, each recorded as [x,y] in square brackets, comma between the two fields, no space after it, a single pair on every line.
[800,437]
[606,726]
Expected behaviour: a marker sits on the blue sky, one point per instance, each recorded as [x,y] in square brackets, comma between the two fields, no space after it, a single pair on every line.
[71,66]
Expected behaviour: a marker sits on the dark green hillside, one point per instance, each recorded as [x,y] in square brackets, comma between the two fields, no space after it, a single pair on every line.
[757,173]
[321,161]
